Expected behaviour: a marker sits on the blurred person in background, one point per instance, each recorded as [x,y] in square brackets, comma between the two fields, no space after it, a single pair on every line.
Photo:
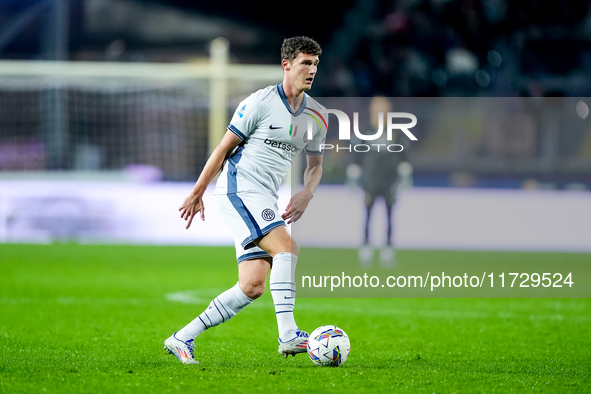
[380,173]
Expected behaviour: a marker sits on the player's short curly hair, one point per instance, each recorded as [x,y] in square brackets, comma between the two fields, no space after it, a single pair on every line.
[293,46]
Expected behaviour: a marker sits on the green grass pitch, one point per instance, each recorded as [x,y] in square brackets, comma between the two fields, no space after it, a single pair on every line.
[77,319]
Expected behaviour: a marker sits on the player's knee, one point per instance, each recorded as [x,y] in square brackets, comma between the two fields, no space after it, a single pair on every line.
[295,248]
[287,247]
[254,290]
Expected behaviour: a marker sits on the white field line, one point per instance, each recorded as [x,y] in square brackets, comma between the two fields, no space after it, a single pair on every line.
[204,297]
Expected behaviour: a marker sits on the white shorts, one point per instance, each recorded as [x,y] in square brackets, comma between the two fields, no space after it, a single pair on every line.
[250,215]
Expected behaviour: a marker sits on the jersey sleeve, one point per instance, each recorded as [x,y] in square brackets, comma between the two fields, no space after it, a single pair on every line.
[246,117]
[314,147]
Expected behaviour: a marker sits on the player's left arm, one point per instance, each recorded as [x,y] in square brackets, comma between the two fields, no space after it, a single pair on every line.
[299,202]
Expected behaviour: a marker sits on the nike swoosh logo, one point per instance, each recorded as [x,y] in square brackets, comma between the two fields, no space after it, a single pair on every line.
[273,128]
[287,298]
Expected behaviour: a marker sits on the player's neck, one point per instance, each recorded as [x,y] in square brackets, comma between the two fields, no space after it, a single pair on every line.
[294,96]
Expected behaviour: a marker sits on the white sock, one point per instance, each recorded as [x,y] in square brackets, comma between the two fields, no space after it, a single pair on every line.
[221,309]
[282,285]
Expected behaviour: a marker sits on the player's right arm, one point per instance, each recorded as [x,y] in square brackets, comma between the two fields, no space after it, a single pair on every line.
[194,201]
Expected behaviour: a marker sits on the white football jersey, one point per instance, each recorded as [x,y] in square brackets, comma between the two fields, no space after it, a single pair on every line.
[272,135]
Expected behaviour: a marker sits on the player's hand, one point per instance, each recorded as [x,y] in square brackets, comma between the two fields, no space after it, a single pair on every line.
[297,205]
[193,204]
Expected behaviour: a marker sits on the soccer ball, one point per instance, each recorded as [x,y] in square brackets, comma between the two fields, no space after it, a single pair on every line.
[328,346]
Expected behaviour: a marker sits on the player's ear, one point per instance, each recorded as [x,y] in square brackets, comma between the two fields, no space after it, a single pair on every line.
[286,64]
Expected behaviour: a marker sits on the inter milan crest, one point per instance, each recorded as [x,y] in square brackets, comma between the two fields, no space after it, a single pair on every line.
[268,214]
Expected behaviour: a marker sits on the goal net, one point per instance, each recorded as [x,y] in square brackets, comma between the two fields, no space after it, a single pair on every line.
[119,117]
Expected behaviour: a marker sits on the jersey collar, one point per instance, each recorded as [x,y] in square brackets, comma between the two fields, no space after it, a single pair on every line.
[286,103]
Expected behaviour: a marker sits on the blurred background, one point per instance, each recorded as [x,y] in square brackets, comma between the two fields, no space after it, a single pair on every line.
[128,97]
